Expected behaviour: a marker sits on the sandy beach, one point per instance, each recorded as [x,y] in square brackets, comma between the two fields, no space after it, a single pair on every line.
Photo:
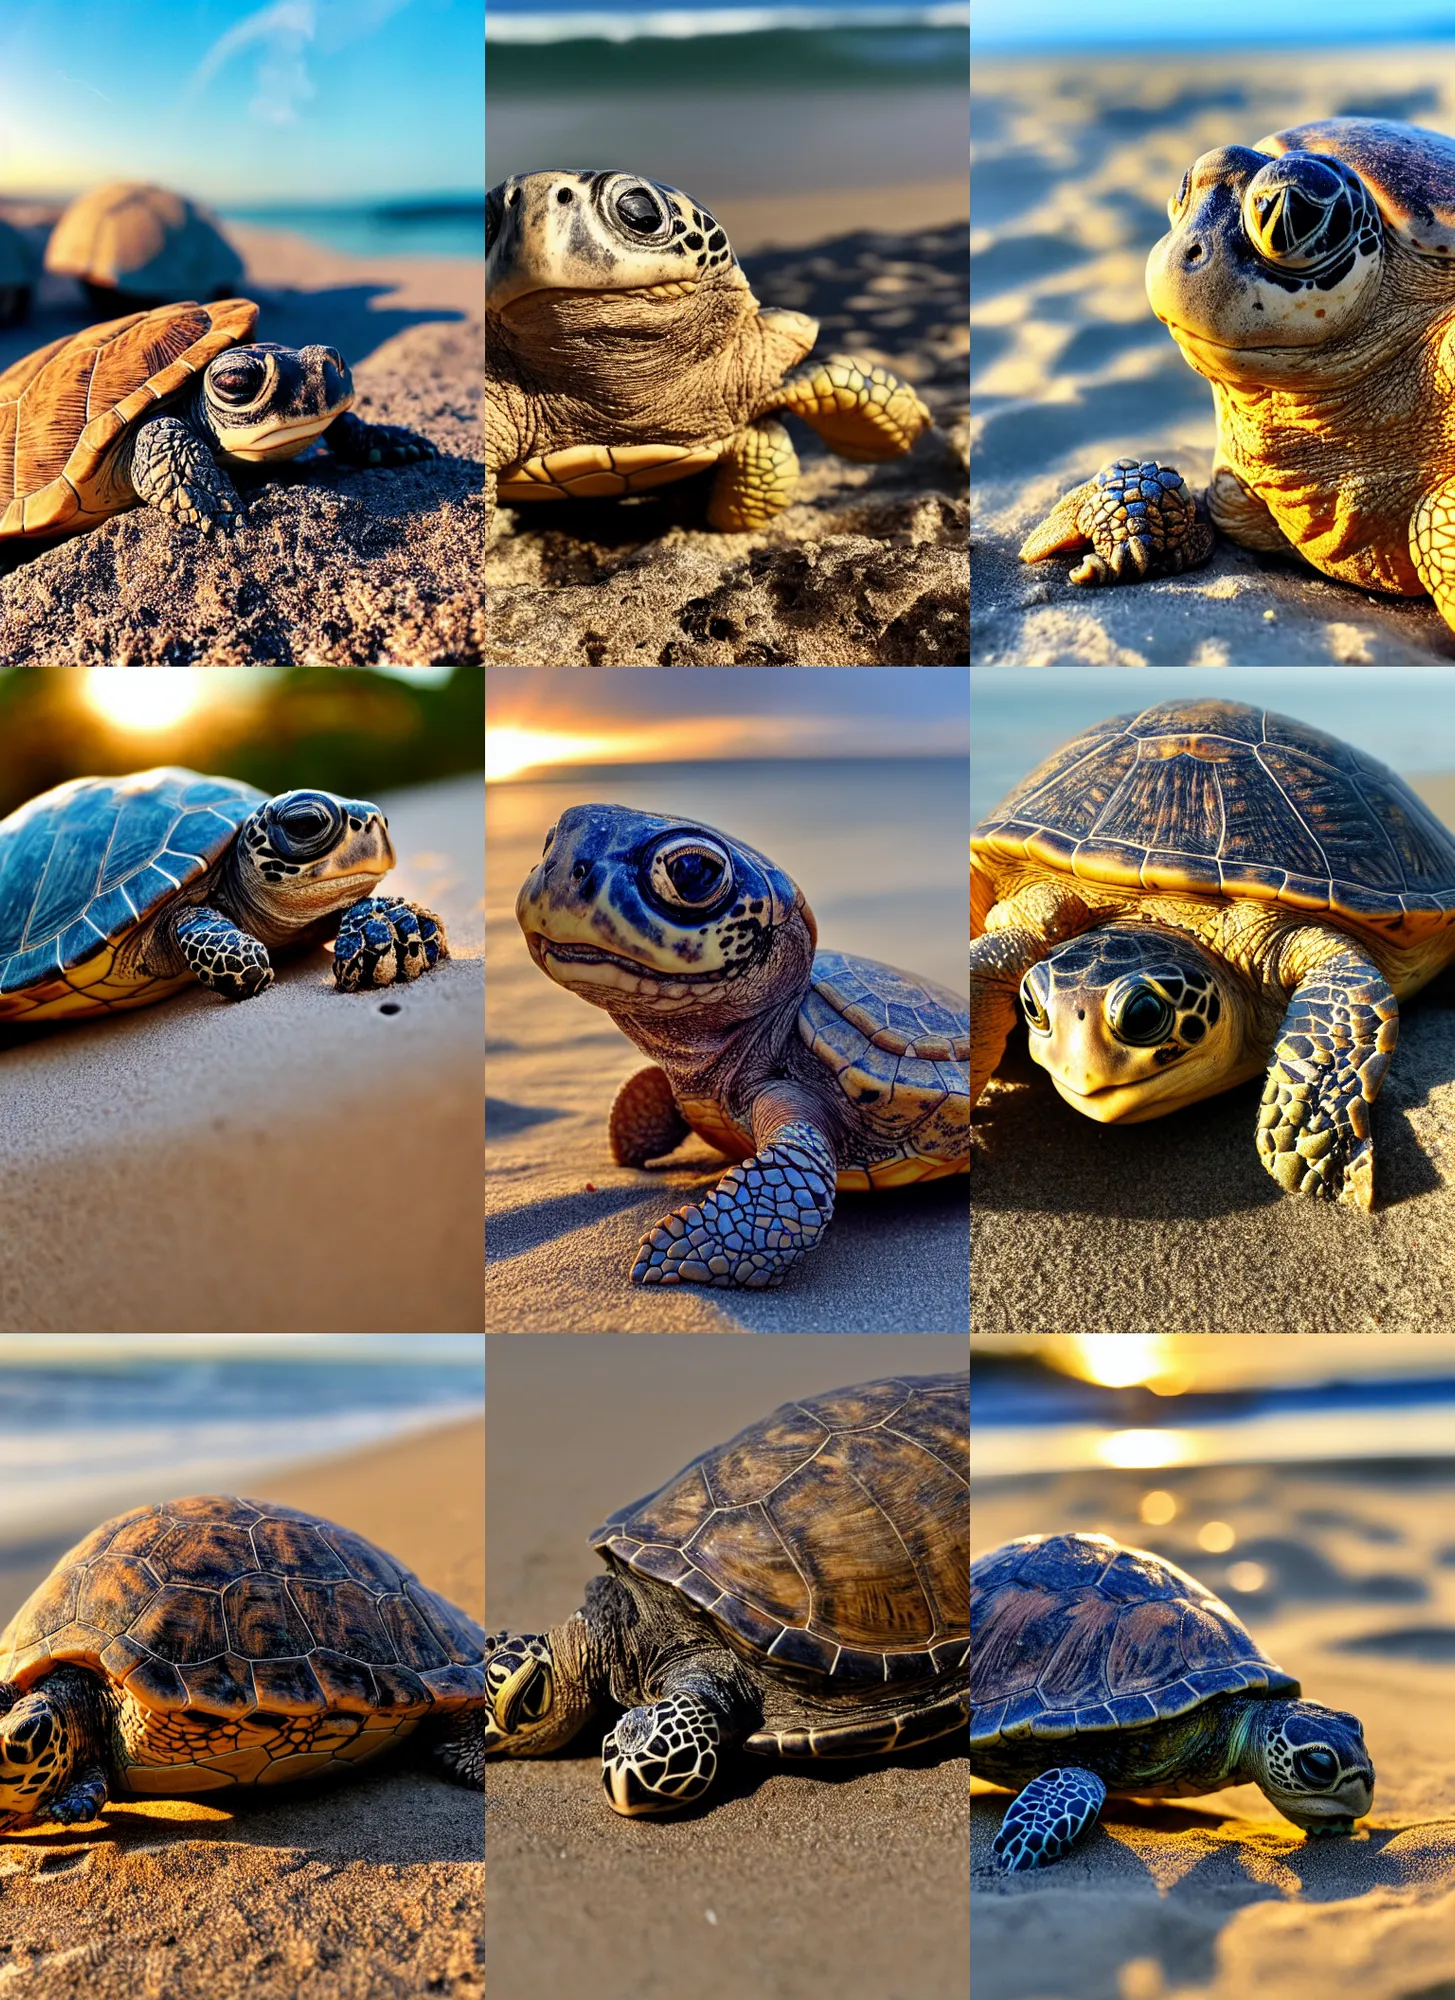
[1073,163]
[366,1892]
[562,1221]
[1220,1898]
[792,1885]
[332,567]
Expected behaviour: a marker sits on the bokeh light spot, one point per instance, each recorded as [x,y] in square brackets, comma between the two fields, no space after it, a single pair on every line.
[1216,1537]
[1158,1508]
[1246,1577]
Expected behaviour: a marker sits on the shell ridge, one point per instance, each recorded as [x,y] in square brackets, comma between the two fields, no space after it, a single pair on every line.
[920,1444]
[1314,840]
[932,1609]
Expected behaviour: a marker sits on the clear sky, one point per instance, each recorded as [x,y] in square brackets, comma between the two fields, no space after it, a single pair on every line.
[289,100]
[1045,24]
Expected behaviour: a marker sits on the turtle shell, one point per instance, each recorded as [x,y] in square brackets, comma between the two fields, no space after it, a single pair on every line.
[63,408]
[82,865]
[1217,798]
[898,1048]
[232,1608]
[131,237]
[1074,1633]
[828,1544]
[1409,171]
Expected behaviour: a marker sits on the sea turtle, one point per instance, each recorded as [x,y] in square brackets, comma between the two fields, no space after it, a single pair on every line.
[800,1591]
[1193,894]
[115,892]
[212,1643]
[17,274]
[132,244]
[153,407]
[1096,1668]
[813,1069]
[625,350]
[1312,280]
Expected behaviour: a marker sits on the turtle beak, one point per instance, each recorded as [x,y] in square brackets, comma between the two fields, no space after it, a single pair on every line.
[511,1693]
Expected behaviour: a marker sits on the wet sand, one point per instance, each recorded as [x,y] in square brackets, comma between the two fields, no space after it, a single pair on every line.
[1073,163]
[790,1886]
[370,1891]
[1220,1898]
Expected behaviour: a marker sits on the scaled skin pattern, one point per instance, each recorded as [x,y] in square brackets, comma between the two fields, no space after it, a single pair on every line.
[625,350]
[1311,279]
[813,1069]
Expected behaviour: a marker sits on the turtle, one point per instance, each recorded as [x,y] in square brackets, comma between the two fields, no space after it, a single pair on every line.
[133,244]
[1311,279]
[813,1069]
[211,1644]
[156,406]
[1096,1668]
[116,892]
[624,349]
[800,1591]
[17,275]
[1191,895]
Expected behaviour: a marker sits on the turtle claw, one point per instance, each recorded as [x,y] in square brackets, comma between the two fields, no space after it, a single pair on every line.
[384,941]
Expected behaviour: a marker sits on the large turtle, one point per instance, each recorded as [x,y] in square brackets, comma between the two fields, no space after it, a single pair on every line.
[154,407]
[212,1643]
[1096,1668]
[1311,279]
[115,892]
[1186,897]
[800,1591]
[814,1069]
[133,244]
[626,350]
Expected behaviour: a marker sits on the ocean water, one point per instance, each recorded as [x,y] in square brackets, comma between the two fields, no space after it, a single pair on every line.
[1404,716]
[420,226]
[76,1426]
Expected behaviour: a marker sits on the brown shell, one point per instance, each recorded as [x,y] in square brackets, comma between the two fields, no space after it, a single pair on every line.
[234,1607]
[63,408]
[830,1540]
[134,237]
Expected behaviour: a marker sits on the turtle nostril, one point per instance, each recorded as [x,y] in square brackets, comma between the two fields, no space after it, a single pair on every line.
[1192,254]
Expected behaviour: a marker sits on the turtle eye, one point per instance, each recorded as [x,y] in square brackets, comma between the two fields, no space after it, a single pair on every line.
[1142,1017]
[303,825]
[1300,211]
[237,379]
[639,210]
[1032,1005]
[691,873]
[1316,1768]
[494,216]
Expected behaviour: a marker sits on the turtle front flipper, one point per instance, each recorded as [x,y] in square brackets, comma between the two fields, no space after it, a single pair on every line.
[82,1799]
[760,1219]
[661,1756]
[1140,520]
[173,469]
[646,1121]
[1047,1819]
[860,410]
[383,941]
[226,959]
[353,442]
[757,470]
[1331,1056]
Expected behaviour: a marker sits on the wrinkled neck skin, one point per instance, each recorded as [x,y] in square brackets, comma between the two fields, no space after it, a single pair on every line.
[642,1643]
[570,367]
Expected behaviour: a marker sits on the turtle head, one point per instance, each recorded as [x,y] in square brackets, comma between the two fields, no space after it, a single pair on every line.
[664,921]
[1272,257]
[1312,1763]
[34,1762]
[305,856]
[1133,1022]
[537,1695]
[265,402]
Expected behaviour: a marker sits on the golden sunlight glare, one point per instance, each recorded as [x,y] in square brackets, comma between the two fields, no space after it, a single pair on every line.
[1118,1360]
[1142,1450]
[509,750]
[143,698]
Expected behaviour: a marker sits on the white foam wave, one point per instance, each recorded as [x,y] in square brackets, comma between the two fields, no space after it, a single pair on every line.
[671,24]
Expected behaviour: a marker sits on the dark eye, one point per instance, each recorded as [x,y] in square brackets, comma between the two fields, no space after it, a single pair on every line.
[1317,1768]
[237,378]
[537,1697]
[1143,1017]
[303,828]
[494,216]
[1032,1008]
[638,210]
[691,873]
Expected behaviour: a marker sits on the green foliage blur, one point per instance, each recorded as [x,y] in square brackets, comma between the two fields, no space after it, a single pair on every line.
[359,733]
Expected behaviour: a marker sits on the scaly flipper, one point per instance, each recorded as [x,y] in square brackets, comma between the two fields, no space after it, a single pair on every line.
[173,470]
[757,471]
[860,410]
[645,1121]
[1047,1818]
[661,1756]
[1140,520]
[384,941]
[1432,546]
[226,959]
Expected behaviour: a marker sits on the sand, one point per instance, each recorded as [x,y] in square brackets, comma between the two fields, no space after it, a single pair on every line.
[1220,1898]
[333,567]
[366,1892]
[792,1885]
[1074,161]
[867,567]
[563,1223]
[302,1162]
[1175,1226]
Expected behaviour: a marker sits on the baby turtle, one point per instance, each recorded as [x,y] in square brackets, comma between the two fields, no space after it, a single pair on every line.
[626,350]
[1311,279]
[132,244]
[115,892]
[154,407]
[1189,896]
[814,1069]
[213,1643]
[1095,1668]
[800,1591]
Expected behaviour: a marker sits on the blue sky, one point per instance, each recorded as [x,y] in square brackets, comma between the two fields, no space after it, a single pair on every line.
[1047,24]
[287,100]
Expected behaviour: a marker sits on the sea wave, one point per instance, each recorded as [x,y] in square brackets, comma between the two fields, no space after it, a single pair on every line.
[677,25]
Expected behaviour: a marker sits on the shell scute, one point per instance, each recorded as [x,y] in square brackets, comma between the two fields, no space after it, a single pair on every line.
[287,1687]
[221,1686]
[298,1548]
[400,1688]
[181,1624]
[348,1612]
[409,1636]
[347,1683]
[208,1555]
[262,1622]
[114,1590]
[156,1684]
